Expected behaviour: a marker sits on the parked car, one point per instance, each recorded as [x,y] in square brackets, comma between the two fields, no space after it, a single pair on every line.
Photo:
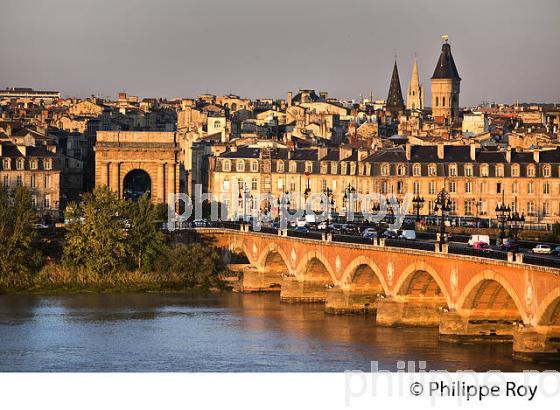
[351,229]
[390,234]
[199,223]
[510,246]
[479,238]
[336,228]
[408,234]
[369,233]
[322,225]
[556,250]
[542,249]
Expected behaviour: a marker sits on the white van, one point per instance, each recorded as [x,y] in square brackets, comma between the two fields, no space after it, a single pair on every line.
[408,234]
[479,238]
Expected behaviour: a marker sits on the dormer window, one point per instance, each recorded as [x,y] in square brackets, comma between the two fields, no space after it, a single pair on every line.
[240,166]
[530,170]
[334,167]
[6,163]
[309,167]
[324,167]
[19,163]
[343,167]
[432,170]
[468,171]
[226,165]
[33,164]
[401,170]
[499,171]
[484,170]
[48,164]
[417,170]
[385,170]
[546,171]
[515,170]
[452,170]
[352,168]
[254,166]
[280,166]
[293,167]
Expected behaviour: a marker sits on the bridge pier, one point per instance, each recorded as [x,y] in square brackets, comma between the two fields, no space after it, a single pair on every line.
[347,301]
[455,328]
[409,312]
[530,344]
[296,290]
[255,280]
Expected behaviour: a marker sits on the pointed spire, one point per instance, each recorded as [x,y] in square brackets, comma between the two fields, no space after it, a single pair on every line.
[415,94]
[395,101]
[445,67]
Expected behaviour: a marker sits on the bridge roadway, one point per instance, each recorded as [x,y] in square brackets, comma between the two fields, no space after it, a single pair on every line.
[470,298]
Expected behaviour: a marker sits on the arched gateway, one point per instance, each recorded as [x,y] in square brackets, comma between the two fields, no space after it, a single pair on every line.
[134,162]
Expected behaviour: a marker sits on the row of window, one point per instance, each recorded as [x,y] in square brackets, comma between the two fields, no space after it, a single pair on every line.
[32,181]
[20,163]
[401,169]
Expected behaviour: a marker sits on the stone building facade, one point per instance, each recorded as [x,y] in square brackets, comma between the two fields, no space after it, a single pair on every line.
[476,178]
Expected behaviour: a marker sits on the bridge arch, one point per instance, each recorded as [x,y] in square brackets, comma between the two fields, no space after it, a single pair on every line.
[315,266]
[489,292]
[239,250]
[276,253]
[548,312]
[420,280]
[364,272]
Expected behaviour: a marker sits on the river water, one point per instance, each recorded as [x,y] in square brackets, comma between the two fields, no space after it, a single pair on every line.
[216,332]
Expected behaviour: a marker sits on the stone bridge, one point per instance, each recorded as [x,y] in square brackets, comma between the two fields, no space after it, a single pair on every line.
[470,298]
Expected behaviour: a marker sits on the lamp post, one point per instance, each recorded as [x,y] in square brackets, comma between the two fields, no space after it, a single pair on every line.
[330,202]
[515,222]
[478,205]
[443,204]
[502,214]
[417,204]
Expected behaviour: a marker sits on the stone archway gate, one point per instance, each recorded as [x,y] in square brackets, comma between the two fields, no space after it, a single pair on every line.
[157,153]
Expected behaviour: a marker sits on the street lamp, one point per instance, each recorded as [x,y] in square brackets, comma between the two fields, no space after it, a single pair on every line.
[443,204]
[515,222]
[502,214]
[418,204]
[478,205]
[330,202]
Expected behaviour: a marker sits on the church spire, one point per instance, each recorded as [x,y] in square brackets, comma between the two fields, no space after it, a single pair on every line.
[395,103]
[415,94]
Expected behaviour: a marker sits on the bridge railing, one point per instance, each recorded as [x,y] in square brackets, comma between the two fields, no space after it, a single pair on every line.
[352,239]
[540,261]
[403,243]
[481,253]
[305,235]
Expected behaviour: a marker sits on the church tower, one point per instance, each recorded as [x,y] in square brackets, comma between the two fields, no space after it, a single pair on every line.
[446,86]
[395,102]
[415,94]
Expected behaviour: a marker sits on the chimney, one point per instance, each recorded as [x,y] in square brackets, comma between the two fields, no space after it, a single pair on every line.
[408,151]
[440,151]
[324,95]
[508,154]
[345,152]
[536,156]
[473,151]
[289,98]
[322,152]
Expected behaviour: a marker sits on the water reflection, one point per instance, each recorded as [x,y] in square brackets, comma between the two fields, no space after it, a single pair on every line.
[228,332]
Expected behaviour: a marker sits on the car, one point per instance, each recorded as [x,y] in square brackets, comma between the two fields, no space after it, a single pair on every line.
[351,229]
[479,238]
[542,249]
[556,250]
[336,228]
[322,225]
[481,246]
[200,223]
[408,234]
[369,233]
[303,229]
[510,246]
[390,234]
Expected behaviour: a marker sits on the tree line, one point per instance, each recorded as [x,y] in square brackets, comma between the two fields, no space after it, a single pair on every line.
[105,235]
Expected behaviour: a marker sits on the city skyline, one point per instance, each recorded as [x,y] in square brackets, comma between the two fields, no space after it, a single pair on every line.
[346,50]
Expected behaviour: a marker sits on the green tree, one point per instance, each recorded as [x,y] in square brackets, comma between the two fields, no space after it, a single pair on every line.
[195,263]
[17,216]
[145,240]
[96,233]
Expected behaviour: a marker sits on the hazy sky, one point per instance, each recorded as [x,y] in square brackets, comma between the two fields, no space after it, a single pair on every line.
[262,48]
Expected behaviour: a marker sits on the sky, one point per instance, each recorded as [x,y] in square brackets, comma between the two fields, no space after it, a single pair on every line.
[262,49]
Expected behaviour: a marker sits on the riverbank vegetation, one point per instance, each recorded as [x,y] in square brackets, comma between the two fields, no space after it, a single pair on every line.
[110,245]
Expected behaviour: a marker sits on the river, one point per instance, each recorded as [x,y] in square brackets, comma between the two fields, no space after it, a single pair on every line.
[216,332]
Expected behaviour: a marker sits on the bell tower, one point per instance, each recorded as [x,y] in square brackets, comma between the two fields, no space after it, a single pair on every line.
[445,86]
